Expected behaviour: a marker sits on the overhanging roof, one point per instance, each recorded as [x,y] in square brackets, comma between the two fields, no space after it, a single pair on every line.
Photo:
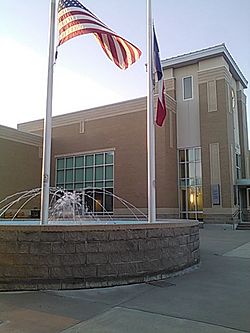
[211,52]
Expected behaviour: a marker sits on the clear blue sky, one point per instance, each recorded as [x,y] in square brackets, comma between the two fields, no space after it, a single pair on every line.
[84,76]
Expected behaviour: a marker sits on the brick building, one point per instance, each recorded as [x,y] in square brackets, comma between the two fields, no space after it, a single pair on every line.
[202,157]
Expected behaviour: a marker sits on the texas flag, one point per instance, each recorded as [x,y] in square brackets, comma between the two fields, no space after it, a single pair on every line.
[161,104]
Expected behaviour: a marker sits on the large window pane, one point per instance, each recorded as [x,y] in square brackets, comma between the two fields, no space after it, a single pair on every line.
[191,155]
[191,170]
[199,198]
[109,158]
[89,160]
[182,170]
[191,182]
[60,163]
[197,154]
[183,183]
[69,176]
[198,181]
[109,184]
[89,174]
[109,200]
[98,202]
[60,177]
[79,161]
[182,156]
[98,159]
[109,172]
[79,175]
[183,199]
[88,199]
[69,162]
[79,186]
[191,199]
[198,169]
[99,173]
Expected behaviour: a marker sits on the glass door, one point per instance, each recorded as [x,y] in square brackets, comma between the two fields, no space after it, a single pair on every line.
[190,184]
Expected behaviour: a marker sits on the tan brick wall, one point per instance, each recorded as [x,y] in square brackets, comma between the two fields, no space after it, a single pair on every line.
[216,127]
[20,168]
[242,116]
[127,134]
[170,86]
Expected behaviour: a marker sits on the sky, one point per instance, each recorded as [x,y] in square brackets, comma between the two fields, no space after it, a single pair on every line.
[84,77]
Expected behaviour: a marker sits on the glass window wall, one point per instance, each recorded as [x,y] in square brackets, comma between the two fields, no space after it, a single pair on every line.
[90,174]
[190,184]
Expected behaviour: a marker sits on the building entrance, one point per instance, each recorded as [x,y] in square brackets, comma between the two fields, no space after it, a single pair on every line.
[190,184]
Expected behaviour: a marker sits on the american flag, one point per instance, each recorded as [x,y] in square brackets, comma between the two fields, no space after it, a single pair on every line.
[74,19]
[161,104]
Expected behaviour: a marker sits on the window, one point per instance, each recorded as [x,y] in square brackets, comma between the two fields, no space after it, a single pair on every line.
[236,195]
[233,99]
[238,166]
[190,184]
[187,87]
[90,174]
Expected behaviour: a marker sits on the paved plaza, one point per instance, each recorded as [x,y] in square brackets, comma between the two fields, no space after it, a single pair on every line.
[212,298]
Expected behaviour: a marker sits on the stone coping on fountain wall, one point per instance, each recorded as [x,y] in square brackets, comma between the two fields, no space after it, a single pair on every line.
[96,255]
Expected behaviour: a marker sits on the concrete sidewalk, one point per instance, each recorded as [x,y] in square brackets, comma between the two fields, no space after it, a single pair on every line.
[213,298]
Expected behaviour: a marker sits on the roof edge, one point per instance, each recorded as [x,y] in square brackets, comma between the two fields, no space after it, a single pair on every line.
[12,134]
[127,106]
[211,52]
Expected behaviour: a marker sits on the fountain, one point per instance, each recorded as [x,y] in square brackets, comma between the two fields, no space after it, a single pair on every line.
[78,249]
[65,206]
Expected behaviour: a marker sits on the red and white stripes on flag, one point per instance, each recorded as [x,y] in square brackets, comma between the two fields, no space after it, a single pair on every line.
[74,19]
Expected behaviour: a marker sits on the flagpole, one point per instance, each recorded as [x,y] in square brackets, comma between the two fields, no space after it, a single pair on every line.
[150,120]
[48,121]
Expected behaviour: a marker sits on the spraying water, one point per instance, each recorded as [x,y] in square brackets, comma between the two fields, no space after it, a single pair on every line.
[66,205]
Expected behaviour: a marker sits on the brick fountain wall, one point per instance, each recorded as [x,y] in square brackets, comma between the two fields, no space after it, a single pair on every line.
[67,257]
